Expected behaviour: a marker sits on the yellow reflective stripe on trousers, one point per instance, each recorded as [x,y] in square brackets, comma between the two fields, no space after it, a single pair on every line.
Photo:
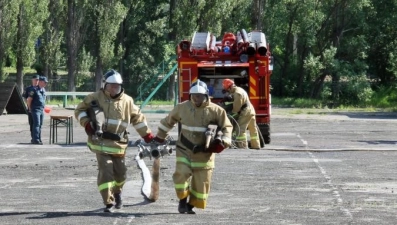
[119,184]
[105,149]
[183,186]
[199,195]
[106,185]
[195,164]
[254,137]
[241,137]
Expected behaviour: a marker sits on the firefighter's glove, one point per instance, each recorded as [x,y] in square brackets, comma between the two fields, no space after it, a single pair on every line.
[148,138]
[89,129]
[216,146]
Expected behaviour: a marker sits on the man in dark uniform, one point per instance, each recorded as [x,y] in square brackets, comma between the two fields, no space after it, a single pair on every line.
[36,102]
[35,82]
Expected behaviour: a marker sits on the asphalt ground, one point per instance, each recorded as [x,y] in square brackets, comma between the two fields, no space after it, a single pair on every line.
[320,168]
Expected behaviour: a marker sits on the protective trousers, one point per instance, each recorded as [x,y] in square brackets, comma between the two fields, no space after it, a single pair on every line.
[245,121]
[192,176]
[111,176]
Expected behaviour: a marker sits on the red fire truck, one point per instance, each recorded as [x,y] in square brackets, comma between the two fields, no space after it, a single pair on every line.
[241,56]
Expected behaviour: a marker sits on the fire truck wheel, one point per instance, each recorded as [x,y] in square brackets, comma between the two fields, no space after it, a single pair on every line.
[265,131]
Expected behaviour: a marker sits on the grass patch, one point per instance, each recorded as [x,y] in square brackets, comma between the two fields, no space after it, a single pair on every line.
[308,104]
[297,103]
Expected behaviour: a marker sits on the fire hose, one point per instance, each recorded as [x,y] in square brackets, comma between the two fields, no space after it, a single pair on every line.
[151,188]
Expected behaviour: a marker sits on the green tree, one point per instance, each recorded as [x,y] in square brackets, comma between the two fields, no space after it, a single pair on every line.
[52,55]
[146,28]
[31,15]
[8,21]
[107,18]
[76,29]
[303,32]
[381,34]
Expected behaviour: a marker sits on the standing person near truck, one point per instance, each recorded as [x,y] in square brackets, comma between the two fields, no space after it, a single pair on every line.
[110,144]
[194,161]
[36,102]
[245,114]
[35,82]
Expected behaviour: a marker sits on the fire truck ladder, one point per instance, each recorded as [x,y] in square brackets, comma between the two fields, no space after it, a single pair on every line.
[163,80]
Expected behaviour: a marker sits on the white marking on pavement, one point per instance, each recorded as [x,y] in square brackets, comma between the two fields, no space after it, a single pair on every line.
[335,191]
[302,140]
[130,218]
[282,134]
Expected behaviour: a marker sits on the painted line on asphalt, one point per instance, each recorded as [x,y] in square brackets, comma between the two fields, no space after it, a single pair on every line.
[335,192]
[306,149]
[302,140]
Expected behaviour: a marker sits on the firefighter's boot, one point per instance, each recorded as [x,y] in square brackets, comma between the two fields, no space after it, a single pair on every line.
[118,201]
[185,207]
[109,208]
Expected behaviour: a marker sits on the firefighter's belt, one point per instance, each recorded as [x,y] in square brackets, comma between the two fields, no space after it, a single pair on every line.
[114,137]
[194,148]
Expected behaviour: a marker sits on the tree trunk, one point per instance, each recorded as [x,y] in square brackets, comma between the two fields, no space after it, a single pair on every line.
[301,71]
[256,16]
[71,46]
[171,88]
[19,78]
[20,72]
[172,38]
[98,73]
[318,86]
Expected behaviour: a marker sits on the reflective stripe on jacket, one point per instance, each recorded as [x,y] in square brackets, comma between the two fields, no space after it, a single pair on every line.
[119,113]
[195,121]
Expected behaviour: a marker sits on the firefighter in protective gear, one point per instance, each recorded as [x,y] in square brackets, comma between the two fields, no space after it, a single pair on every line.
[195,163]
[245,114]
[119,111]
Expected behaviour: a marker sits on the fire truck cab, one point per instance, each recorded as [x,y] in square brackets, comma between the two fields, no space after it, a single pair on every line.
[241,56]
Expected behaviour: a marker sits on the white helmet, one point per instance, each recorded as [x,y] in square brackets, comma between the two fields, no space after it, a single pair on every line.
[113,77]
[198,87]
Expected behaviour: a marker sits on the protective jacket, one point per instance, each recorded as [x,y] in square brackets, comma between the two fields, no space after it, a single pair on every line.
[119,112]
[246,118]
[194,122]
[241,101]
[190,164]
